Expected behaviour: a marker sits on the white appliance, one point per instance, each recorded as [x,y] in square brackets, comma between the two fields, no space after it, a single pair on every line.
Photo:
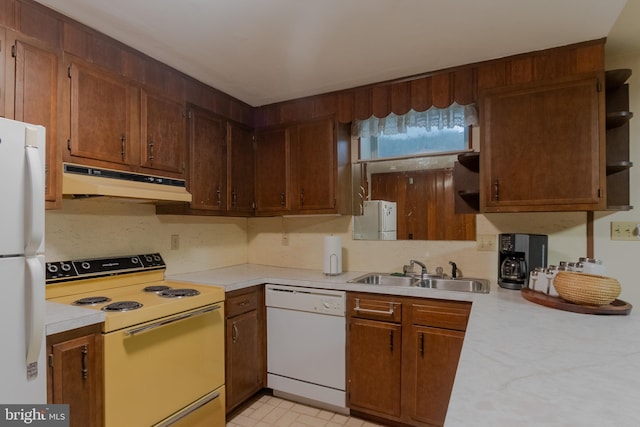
[306,335]
[377,222]
[22,264]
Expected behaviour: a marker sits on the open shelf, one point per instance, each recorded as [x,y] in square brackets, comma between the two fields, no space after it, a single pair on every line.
[616,78]
[466,182]
[618,167]
[617,125]
[618,118]
[470,161]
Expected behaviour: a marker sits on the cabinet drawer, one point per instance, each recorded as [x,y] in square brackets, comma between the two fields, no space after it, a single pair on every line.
[242,303]
[441,314]
[366,307]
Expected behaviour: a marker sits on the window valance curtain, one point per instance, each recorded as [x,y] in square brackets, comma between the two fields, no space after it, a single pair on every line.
[433,118]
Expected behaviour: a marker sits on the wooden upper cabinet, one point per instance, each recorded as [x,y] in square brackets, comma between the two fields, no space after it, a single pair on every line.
[207,166]
[272,171]
[162,133]
[543,146]
[313,161]
[100,116]
[35,101]
[241,163]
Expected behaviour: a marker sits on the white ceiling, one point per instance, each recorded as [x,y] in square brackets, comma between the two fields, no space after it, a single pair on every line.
[265,51]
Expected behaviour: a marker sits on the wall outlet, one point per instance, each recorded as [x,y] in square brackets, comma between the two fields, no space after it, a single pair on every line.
[175,242]
[486,242]
[621,230]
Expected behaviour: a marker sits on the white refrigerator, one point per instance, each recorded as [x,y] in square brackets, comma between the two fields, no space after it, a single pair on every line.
[22,265]
[377,222]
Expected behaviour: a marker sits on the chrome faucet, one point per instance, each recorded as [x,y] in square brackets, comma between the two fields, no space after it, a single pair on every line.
[423,272]
[454,269]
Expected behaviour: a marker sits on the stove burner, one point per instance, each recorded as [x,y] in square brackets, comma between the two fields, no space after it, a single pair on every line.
[122,306]
[179,293]
[91,300]
[156,288]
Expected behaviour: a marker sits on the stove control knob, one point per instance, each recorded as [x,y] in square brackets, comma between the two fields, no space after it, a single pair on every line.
[156,257]
[148,258]
[65,267]
[134,260]
[85,265]
[52,268]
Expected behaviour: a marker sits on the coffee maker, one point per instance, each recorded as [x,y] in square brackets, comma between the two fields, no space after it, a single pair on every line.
[518,254]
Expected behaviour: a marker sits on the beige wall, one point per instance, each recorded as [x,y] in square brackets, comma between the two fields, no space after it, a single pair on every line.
[305,243]
[93,228]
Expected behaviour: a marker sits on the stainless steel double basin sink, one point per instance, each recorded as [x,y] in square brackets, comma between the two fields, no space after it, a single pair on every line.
[462,284]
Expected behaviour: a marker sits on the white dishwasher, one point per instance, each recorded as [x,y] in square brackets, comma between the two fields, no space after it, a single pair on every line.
[306,334]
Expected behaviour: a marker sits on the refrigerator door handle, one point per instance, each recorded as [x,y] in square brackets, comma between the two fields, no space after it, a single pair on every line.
[35,198]
[35,308]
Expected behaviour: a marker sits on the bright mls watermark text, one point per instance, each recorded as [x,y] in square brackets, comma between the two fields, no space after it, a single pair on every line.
[34,415]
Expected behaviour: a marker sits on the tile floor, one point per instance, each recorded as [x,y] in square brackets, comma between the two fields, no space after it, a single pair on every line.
[269,411]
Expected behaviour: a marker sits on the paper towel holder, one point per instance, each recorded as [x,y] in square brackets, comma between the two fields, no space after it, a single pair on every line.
[331,273]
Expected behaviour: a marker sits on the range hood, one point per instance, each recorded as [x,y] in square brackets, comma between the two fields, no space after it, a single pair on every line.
[83,181]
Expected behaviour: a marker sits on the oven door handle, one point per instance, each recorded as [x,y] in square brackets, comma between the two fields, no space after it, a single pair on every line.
[189,410]
[147,328]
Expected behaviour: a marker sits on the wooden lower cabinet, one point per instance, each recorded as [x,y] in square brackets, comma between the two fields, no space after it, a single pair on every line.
[75,374]
[374,366]
[402,357]
[432,360]
[245,362]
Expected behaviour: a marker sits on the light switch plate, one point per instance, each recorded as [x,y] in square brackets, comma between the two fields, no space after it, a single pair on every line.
[486,242]
[625,230]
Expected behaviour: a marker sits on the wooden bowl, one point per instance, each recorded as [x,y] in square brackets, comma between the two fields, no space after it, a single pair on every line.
[586,289]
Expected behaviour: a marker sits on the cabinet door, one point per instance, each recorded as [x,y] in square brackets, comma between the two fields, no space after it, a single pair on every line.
[207,163]
[241,174]
[76,376]
[162,133]
[374,356]
[36,98]
[100,114]
[272,171]
[430,372]
[543,146]
[244,361]
[314,166]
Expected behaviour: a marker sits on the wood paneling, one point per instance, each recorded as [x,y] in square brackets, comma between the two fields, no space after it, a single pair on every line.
[401,98]
[441,85]
[425,203]
[381,101]
[39,22]
[362,103]
[440,88]
[421,94]
[7,13]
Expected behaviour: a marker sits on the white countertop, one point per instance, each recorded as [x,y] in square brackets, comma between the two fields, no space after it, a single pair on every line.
[521,363]
[62,317]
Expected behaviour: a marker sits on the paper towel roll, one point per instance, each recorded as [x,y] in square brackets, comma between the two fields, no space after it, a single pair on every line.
[332,255]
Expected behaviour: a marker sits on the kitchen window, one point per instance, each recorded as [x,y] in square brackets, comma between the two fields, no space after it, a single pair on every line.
[415,134]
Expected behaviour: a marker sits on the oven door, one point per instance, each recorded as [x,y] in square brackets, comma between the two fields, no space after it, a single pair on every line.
[156,369]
